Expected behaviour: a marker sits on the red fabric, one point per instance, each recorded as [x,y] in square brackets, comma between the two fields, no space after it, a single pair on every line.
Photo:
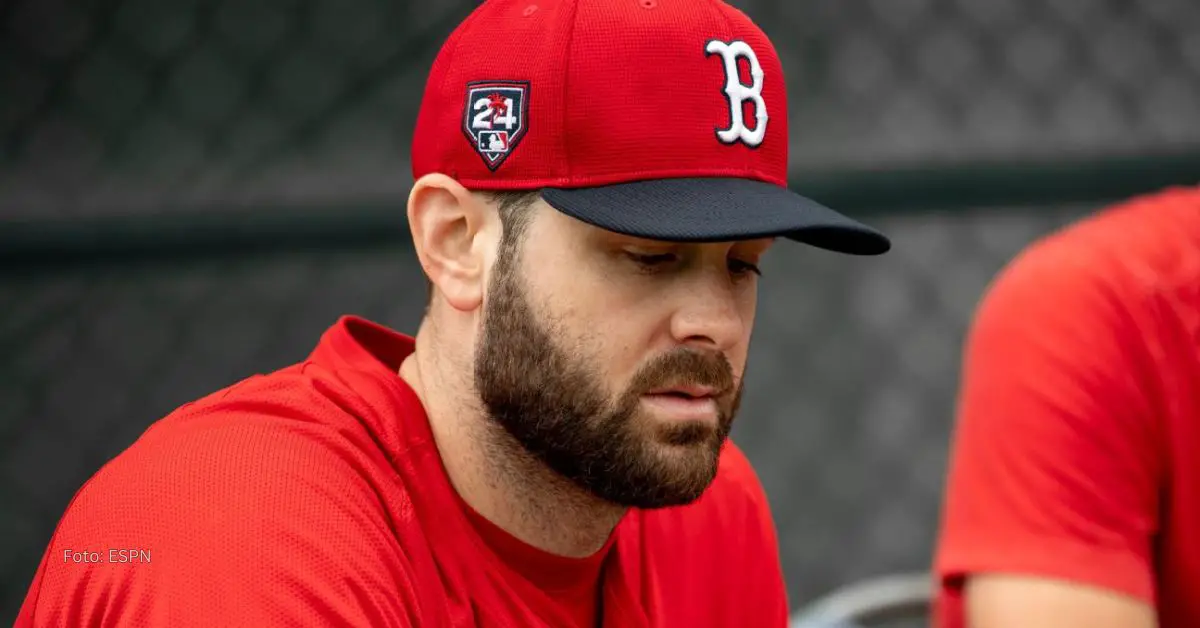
[315,496]
[617,92]
[572,583]
[1077,452]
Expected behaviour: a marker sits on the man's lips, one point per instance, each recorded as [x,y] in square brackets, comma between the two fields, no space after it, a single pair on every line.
[684,402]
[694,392]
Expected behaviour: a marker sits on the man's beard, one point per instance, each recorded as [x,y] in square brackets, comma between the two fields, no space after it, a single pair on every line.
[552,401]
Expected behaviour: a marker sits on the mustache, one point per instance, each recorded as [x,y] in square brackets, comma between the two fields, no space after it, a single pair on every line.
[685,367]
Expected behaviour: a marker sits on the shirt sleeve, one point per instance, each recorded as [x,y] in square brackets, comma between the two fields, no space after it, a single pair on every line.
[248,523]
[1055,466]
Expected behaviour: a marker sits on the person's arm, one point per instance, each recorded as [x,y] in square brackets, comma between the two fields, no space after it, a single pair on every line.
[1004,601]
[242,524]
[1053,488]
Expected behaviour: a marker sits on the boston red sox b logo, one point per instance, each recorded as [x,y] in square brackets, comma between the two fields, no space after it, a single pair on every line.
[738,93]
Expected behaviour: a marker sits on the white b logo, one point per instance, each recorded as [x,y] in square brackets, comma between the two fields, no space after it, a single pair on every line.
[738,93]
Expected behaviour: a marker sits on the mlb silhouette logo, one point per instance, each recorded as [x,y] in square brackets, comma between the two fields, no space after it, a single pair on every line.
[495,142]
[495,118]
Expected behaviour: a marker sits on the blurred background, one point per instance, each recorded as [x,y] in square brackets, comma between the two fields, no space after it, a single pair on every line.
[191,191]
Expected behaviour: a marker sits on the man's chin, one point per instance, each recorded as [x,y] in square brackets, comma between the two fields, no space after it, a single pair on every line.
[669,497]
[683,474]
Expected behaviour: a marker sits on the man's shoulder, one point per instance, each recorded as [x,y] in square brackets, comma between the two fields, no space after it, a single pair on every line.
[306,401]
[302,393]
[228,503]
[1140,244]
[1108,278]
[251,446]
[1143,223]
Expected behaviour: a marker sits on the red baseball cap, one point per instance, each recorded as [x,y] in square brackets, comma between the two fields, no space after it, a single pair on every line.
[662,119]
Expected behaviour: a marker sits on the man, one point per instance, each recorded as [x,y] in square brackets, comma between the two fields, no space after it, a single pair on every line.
[551,449]
[1074,486]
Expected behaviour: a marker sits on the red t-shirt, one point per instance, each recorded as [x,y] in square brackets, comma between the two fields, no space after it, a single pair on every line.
[316,496]
[1077,452]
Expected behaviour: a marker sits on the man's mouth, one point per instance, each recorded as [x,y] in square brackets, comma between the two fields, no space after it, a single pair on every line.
[684,403]
[686,392]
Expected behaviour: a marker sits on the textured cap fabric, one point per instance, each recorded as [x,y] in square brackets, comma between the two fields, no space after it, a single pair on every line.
[664,119]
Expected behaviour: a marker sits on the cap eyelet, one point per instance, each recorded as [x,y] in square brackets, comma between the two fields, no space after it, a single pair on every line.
[648,4]
[530,10]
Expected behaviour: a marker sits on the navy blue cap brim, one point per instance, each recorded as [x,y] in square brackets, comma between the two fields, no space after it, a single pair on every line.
[715,210]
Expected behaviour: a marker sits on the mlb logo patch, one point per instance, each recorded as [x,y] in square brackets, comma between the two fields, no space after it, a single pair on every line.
[495,118]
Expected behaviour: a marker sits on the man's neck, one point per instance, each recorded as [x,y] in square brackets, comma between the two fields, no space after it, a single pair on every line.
[493,473]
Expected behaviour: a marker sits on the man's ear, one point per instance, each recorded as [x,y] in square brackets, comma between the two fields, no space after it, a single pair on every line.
[447,222]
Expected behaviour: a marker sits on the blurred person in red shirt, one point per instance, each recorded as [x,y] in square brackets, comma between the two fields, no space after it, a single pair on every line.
[596,185]
[1073,498]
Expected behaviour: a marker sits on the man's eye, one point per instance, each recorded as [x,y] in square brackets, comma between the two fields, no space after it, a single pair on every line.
[652,260]
[739,267]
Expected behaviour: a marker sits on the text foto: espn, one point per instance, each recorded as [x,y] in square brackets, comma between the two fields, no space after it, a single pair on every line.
[115,555]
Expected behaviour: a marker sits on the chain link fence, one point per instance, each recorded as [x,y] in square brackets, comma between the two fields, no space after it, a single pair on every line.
[198,188]
[120,106]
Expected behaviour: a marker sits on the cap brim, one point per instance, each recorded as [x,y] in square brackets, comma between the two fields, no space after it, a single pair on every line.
[715,210]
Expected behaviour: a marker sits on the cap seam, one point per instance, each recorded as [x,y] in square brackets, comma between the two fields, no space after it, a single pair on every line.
[566,87]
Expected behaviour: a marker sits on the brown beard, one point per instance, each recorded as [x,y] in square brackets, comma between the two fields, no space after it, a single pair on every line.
[552,402]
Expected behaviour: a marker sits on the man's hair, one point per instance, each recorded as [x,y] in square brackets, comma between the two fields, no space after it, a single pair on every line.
[513,206]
